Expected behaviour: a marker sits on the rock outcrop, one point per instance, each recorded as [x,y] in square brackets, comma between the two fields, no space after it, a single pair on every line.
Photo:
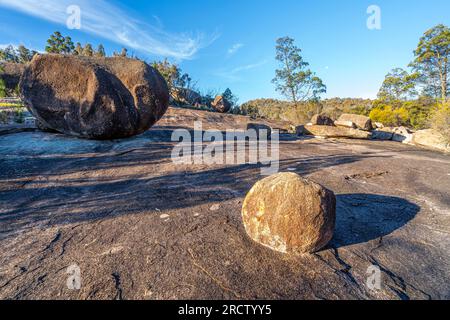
[290,214]
[94,98]
[220,104]
[362,122]
[332,132]
[322,120]
[402,134]
[431,139]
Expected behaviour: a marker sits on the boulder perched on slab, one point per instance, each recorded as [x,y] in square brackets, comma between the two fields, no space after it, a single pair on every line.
[431,139]
[361,122]
[290,214]
[332,132]
[221,104]
[322,120]
[94,98]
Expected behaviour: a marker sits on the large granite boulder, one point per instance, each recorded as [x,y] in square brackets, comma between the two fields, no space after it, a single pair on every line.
[221,104]
[94,98]
[290,214]
[431,139]
[332,132]
[10,73]
[361,122]
[321,120]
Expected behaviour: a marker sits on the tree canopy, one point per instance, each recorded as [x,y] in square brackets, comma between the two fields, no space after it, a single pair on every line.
[294,80]
[432,61]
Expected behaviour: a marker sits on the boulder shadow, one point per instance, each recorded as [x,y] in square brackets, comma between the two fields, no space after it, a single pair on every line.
[364,217]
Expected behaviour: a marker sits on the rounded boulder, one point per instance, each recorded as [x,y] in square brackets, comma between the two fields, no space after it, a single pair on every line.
[92,97]
[290,214]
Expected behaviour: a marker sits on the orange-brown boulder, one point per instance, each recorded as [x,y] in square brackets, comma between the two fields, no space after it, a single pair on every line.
[290,214]
[94,98]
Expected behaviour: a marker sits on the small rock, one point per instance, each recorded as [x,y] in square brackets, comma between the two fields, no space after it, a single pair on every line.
[164,216]
[215,207]
[322,120]
[290,214]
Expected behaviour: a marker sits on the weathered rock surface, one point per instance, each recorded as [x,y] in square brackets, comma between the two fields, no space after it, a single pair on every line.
[345,124]
[362,122]
[290,214]
[11,75]
[431,139]
[141,227]
[220,104]
[322,120]
[95,98]
[333,132]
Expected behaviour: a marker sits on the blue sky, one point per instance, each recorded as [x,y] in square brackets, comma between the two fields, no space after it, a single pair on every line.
[231,43]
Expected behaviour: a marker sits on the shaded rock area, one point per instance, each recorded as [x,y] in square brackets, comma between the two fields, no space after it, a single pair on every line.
[290,214]
[140,227]
[322,120]
[100,98]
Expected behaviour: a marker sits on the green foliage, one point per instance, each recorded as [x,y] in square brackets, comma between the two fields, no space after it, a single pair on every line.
[88,51]
[432,61]
[2,85]
[19,55]
[230,97]
[398,85]
[440,119]
[389,116]
[294,80]
[100,51]
[57,43]
[172,74]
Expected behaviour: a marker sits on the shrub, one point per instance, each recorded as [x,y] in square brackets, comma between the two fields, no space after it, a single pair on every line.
[389,116]
[440,120]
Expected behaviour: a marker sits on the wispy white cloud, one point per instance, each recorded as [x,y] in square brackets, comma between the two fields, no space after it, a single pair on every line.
[234,74]
[108,21]
[234,48]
